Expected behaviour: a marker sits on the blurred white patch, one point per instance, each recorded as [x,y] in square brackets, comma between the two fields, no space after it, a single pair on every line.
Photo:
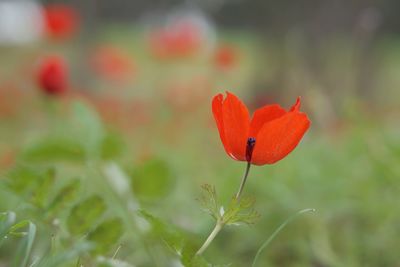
[21,22]
[117,178]
[221,211]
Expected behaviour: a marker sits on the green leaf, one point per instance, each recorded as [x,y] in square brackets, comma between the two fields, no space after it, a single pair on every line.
[24,250]
[41,196]
[112,146]
[152,180]
[84,215]
[65,196]
[89,128]
[240,212]
[170,235]
[209,201]
[189,257]
[54,148]
[106,235]
[22,178]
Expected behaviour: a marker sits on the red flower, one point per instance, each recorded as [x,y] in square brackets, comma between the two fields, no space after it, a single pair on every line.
[112,63]
[268,137]
[225,57]
[180,39]
[61,21]
[52,76]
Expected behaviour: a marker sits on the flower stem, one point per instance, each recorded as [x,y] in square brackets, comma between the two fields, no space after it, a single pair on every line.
[210,238]
[246,173]
[220,223]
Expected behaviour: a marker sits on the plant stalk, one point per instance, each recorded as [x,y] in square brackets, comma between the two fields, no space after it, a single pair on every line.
[210,238]
[219,223]
[246,174]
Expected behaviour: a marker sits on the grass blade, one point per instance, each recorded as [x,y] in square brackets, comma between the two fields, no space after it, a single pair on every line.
[274,234]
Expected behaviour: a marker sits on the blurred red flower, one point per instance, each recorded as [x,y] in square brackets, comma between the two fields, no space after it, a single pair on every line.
[112,63]
[268,137]
[225,57]
[180,39]
[52,75]
[61,21]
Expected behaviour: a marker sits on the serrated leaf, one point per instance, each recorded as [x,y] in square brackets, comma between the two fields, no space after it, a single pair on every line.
[152,180]
[170,235]
[84,215]
[106,235]
[209,202]
[240,212]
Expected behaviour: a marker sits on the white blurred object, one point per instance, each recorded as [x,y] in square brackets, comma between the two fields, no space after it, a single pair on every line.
[21,22]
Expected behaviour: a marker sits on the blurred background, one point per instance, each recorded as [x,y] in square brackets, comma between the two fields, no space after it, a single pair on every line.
[106,131]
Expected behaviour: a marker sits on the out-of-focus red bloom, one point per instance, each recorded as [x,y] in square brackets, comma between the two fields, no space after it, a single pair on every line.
[61,21]
[225,57]
[180,39]
[268,137]
[112,63]
[52,75]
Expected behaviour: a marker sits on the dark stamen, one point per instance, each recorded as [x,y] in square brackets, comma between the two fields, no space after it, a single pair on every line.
[249,148]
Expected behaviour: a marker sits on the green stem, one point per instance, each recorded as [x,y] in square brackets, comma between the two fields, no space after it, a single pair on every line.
[210,238]
[246,174]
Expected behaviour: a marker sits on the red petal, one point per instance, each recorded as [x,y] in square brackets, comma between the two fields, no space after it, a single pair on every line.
[279,137]
[296,106]
[264,115]
[236,121]
[217,111]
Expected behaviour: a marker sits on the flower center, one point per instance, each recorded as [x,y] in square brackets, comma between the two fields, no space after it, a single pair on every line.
[251,142]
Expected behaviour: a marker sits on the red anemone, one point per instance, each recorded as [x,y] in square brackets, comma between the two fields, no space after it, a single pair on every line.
[61,21]
[52,76]
[268,137]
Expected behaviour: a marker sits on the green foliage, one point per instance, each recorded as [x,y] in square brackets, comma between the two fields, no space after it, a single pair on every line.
[54,148]
[152,180]
[346,167]
[67,257]
[89,129]
[190,259]
[237,212]
[25,247]
[84,215]
[41,196]
[106,235]
[64,197]
[170,235]
[25,230]
[112,146]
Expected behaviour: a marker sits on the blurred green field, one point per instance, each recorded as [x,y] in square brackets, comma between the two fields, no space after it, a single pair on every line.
[110,176]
